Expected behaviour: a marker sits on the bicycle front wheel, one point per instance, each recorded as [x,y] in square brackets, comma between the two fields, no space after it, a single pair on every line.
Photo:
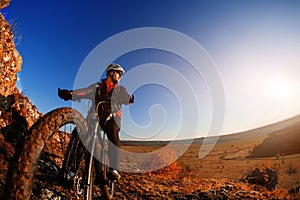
[40,164]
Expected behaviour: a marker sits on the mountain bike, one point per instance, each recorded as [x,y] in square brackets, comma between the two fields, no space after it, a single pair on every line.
[55,159]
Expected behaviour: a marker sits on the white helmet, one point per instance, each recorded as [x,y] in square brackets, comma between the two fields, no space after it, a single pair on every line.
[114,67]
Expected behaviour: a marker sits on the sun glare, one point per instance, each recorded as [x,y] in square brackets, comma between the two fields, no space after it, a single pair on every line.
[281,88]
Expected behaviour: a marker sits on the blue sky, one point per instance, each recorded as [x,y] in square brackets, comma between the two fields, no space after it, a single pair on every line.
[255,46]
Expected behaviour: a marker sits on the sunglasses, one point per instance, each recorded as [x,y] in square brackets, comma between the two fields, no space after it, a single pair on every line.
[120,73]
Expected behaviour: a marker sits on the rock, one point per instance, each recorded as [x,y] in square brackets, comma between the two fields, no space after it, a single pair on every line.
[266,177]
[10,59]
[4,3]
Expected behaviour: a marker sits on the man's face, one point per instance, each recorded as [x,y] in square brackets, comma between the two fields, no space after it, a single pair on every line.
[116,76]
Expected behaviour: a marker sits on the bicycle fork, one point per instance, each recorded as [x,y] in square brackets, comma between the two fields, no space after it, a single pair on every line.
[89,186]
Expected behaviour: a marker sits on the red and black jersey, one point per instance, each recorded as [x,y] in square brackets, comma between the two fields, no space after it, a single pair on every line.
[115,95]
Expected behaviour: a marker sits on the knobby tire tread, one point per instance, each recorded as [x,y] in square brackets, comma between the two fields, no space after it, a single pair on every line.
[41,131]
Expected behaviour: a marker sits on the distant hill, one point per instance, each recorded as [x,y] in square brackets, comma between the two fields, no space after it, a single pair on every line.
[285,141]
[282,138]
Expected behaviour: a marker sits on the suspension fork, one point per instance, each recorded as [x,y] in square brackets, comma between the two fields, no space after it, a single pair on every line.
[89,191]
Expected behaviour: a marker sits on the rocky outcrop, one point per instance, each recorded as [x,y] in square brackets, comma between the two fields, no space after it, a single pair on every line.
[13,104]
[4,3]
[10,59]
[17,113]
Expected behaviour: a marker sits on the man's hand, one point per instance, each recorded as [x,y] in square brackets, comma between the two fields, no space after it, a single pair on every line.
[65,94]
[131,100]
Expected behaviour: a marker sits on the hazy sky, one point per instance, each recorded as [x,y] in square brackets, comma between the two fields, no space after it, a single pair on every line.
[255,46]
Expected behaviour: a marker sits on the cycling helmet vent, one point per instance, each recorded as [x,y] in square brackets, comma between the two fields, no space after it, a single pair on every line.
[114,67]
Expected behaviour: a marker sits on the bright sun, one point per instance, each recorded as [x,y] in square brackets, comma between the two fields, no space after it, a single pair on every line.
[281,88]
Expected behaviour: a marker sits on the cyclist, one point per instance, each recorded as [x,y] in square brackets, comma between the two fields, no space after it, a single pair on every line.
[108,90]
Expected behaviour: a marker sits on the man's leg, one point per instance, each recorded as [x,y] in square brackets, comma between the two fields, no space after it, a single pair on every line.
[114,144]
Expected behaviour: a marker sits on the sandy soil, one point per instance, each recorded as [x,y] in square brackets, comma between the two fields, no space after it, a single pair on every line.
[217,175]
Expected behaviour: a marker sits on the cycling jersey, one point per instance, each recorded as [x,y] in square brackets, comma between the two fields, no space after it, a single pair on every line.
[115,95]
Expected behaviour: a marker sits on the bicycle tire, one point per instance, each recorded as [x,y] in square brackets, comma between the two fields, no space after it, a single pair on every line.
[24,174]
